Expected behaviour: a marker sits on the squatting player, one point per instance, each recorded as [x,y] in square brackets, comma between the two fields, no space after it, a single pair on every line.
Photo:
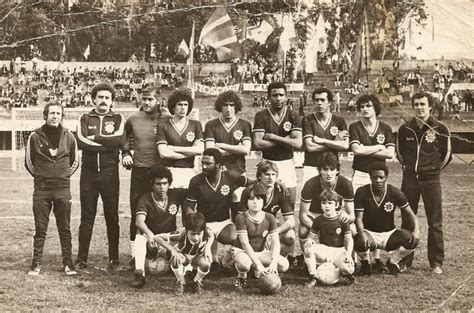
[179,139]
[375,205]
[156,214]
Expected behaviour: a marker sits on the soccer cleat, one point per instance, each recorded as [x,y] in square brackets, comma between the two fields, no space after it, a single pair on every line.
[378,267]
[313,282]
[347,280]
[198,287]
[139,280]
[131,264]
[437,270]
[80,265]
[35,270]
[393,268]
[240,283]
[179,291]
[114,266]
[69,270]
[364,268]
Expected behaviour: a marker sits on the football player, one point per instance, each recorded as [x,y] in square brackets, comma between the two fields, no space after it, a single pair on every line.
[335,240]
[192,251]
[375,205]
[156,214]
[252,249]
[180,139]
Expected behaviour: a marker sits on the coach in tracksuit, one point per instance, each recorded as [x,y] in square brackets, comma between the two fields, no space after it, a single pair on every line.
[51,158]
[100,135]
[424,149]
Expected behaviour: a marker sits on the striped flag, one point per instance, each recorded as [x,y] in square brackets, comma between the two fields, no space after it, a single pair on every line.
[219,33]
[260,32]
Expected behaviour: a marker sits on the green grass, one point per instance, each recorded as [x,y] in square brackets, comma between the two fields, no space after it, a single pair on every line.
[104,291]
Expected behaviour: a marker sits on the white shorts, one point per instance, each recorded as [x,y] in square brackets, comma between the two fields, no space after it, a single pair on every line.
[325,253]
[236,250]
[360,179]
[380,239]
[309,172]
[217,227]
[286,172]
[182,176]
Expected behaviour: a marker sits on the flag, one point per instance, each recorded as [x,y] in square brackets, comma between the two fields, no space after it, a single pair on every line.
[260,32]
[183,49]
[316,41]
[190,63]
[219,33]
[337,37]
[152,50]
[288,36]
[87,52]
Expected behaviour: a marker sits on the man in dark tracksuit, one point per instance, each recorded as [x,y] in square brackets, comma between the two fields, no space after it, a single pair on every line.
[424,149]
[100,135]
[51,158]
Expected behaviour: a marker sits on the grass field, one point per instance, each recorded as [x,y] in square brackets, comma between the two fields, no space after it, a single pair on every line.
[100,290]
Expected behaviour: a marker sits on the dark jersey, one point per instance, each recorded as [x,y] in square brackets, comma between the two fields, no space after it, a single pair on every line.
[161,219]
[330,231]
[379,216]
[185,246]
[257,231]
[214,201]
[313,127]
[240,131]
[276,202]
[266,122]
[168,133]
[358,133]
[314,186]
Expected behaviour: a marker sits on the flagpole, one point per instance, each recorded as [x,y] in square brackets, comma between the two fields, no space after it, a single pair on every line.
[191,63]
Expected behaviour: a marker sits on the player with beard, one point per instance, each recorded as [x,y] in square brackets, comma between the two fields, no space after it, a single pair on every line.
[142,126]
[330,179]
[100,135]
[210,193]
[180,139]
[375,205]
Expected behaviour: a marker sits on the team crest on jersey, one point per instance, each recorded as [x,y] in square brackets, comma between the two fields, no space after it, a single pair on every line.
[338,231]
[380,138]
[430,136]
[287,126]
[225,190]
[190,136]
[238,135]
[109,127]
[173,209]
[334,130]
[275,208]
[388,207]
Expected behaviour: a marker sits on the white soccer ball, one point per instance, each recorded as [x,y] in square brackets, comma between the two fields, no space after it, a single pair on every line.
[158,266]
[328,273]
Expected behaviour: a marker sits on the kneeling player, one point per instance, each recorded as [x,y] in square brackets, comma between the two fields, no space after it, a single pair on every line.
[375,205]
[252,249]
[193,250]
[335,240]
[156,214]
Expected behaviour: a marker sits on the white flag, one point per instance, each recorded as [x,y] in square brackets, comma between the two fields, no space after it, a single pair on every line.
[183,49]
[87,52]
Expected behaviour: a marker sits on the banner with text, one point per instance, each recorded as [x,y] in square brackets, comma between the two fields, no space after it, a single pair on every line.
[214,90]
[263,87]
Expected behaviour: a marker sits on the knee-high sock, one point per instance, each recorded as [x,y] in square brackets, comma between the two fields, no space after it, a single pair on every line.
[132,248]
[214,250]
[364,256]
[240,273]
[140,252]
[179,273]
[399,254]
[200,274]
[311,263]
[376,254]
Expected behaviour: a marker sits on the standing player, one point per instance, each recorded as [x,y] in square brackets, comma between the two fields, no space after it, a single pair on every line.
[155,214]
[254,226]
[276,200]
[277,132]
[142,125]
[193,250]
[179,139]
[375,206]
[322,132]
[335,240]
[330,179]
[370,139]
[424,150]
[229,133]
[100,135]
[210,193]
[51,158]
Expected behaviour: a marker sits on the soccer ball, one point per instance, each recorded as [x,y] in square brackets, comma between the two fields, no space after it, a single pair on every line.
[269,284]
[327,273]
[158,266]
